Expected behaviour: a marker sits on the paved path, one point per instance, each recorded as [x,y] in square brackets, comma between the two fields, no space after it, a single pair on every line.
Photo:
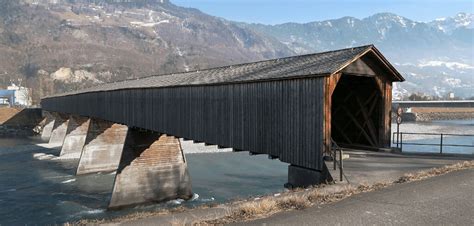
[442,200]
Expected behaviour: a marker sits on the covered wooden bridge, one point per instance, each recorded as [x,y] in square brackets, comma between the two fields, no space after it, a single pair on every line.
[288,108]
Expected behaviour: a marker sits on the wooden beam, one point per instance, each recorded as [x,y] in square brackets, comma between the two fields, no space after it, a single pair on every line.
[380,84]
[359,110]
[356,123]
[367,121]
[371,110]
[342,133]
[333,83]
[343,102]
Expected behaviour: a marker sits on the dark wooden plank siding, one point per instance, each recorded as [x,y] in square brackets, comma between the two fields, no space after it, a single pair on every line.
[281,118]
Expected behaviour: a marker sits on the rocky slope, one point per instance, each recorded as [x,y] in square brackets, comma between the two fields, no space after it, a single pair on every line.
[59,45]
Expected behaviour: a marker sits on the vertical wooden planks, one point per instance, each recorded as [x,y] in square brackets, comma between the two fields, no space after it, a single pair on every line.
[281,118]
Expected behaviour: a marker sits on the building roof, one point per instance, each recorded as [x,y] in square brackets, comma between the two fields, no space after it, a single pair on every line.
[311,65]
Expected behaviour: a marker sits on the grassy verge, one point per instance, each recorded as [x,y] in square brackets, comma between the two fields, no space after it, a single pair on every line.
[314,196]
[292,200]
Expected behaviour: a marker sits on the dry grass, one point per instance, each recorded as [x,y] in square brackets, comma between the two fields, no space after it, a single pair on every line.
[256,208]
[441,110]
[303,199]
[132,216]
[293,200]
[434,172]
[6,113]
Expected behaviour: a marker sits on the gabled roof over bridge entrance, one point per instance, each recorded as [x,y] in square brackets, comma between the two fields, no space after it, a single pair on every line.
[304,66]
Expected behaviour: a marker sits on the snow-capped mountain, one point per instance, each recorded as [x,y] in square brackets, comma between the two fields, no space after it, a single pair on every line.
[435,57]
[450,24]
[59,45]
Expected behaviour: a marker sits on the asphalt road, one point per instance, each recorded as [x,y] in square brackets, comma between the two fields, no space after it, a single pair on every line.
[442,200]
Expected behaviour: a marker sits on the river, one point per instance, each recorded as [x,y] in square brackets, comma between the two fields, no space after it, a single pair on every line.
[465,127]
[36,189]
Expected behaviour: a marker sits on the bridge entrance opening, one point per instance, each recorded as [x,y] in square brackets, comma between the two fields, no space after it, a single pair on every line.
[356,106]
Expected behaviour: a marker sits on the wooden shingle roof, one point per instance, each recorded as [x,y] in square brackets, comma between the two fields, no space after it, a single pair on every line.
[311,65]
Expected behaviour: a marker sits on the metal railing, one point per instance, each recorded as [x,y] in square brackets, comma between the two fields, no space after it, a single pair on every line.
[398,140]
[335,149]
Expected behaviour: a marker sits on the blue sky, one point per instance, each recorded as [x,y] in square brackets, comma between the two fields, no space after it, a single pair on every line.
[281,11]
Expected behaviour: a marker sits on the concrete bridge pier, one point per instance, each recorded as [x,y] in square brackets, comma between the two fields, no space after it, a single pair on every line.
[59,129]
[153,168]
[103,147]
[48,126]
[75,136]
[305,177]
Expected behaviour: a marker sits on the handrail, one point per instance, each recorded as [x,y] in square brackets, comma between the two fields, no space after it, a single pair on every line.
[336,147]
[441,143]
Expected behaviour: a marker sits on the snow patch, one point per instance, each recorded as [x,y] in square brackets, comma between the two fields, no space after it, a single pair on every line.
[453,82]
[180,53]
[350,21]
[401,21]
[450,65]
[143,24]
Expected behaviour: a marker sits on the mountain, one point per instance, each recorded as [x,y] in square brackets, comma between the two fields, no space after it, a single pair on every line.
[60,45]
[449,25]
[435,57]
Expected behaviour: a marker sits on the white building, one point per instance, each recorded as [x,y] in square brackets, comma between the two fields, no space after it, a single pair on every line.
[22,95]
[451,95]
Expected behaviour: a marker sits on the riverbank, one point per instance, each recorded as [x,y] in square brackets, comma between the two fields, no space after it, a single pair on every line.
[427,114]
[19,122]
[365,171]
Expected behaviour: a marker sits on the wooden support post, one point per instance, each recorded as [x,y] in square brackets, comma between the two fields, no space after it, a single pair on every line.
[367,121]
[359,110]
[343,134]
[371,110]
[356,123]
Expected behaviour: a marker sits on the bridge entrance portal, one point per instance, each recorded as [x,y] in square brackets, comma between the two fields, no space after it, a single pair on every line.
[356,112]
